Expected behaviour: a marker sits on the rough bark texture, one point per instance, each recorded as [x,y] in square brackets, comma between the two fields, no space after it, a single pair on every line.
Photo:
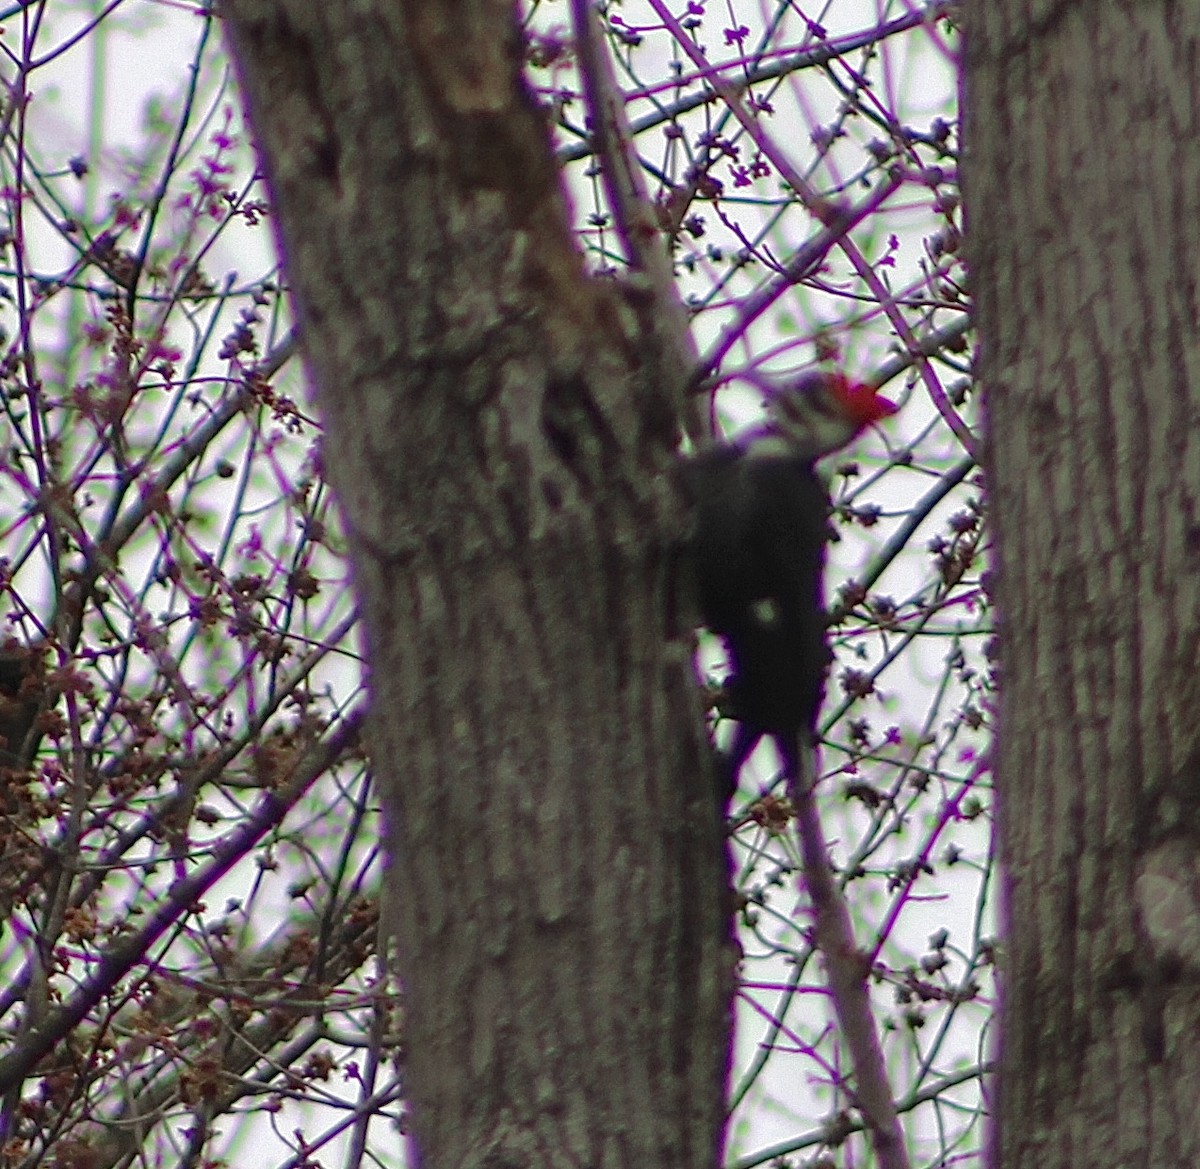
[501,443]
[1083,194]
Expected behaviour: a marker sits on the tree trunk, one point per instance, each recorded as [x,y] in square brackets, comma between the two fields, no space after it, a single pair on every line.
[501,443]
[1083,197]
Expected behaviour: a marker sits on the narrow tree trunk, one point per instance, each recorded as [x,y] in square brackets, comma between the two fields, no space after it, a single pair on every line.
[501,444]
[1083,196]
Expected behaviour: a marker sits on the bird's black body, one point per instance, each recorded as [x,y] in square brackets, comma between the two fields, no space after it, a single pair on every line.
[758,555]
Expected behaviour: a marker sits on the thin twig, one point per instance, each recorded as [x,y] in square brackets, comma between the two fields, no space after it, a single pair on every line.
[132,948]
[632,209]
[847,968]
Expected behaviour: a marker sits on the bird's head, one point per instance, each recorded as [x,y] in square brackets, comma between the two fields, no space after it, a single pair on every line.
[820,412]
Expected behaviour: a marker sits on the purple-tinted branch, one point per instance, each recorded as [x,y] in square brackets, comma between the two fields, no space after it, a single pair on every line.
[133,948]
[806,261]
[829,214]
[767,71]
[847,969]
[632,209]
[106,548]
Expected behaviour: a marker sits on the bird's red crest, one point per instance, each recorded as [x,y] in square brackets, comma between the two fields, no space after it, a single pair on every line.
[862,402]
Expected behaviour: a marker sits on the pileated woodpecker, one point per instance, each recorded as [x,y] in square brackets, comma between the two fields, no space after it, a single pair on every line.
[761,516]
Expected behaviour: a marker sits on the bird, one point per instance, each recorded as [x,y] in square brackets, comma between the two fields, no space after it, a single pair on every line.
[760,519]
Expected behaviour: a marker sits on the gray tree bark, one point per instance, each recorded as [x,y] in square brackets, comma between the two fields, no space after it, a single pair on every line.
[500,434]
[1083,196]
